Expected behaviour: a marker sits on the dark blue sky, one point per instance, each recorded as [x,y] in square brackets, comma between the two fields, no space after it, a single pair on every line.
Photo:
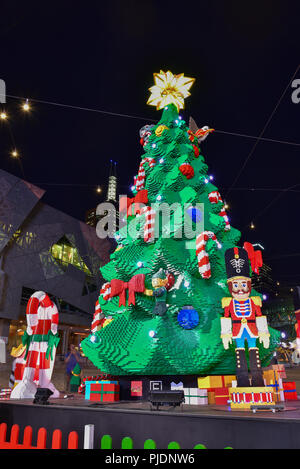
[102,55]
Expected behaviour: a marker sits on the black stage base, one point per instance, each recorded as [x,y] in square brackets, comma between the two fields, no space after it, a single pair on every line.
[152,383]
[213,426]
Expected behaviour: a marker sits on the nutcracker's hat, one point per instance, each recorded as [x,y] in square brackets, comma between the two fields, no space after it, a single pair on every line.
[237,263]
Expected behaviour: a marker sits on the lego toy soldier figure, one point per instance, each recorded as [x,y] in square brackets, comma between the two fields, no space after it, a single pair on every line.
[243,320]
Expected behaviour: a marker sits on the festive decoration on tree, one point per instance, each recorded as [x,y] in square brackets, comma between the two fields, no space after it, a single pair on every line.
[140,179]
[187,170]
[159,283]
[145,133]
[188,317]
[215,198]
[190,244]
[196,134]
[243,320]
[41,339]
[169,89]
[202,256]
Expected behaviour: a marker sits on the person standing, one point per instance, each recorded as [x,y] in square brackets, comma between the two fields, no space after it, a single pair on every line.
[71,360]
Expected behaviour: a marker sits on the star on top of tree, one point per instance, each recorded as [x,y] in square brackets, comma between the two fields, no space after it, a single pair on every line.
[169,89]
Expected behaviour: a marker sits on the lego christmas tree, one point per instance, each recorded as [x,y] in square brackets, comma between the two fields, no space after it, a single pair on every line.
[159,311]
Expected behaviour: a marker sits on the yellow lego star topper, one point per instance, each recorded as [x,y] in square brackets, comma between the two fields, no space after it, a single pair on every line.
[169,89]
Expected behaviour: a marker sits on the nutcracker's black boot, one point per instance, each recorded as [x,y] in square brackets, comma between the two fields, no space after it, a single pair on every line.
[255,368]
[241,368]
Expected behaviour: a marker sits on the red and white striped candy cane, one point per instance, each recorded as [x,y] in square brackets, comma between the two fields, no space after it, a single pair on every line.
[105,291]
[202,256]
[98,318]
[42,317]
[140,180]
[214,198]
[149,226]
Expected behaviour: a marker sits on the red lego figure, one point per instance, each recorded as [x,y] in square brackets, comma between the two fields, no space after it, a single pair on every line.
[243,320]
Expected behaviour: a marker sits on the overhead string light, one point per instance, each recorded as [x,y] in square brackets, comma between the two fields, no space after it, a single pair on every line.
[14,153]
[26,105]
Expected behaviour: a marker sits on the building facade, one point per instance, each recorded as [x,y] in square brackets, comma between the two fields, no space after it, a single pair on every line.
[42,248]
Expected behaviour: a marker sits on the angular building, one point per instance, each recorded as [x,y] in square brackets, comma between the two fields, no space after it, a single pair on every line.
[44,249]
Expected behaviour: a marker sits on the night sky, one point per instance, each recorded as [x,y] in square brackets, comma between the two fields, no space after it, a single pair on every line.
[102,55]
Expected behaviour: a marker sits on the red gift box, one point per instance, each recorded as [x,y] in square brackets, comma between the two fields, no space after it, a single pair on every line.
[289,389]
[105,392]
[221,396]
[137,388]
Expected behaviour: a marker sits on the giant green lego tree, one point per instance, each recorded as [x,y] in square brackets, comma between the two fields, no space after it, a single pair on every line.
[185,339]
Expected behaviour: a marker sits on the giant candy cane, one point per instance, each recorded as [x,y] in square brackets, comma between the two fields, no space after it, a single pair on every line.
[149,226]
[214,198]
[42,340]
[140,180]
[99,317]
[202,256]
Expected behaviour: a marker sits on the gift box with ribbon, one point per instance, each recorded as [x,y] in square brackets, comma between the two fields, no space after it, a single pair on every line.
[102,391]
[175,386]
[211,396]
[244,398]
[221,396]
[209,382]
[280,369]
[195,396]
[277,388]
[289,389]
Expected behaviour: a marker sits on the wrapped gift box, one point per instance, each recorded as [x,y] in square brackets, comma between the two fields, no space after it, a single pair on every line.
[5,394]
[215,381]
[136,388]
[244,398]
[277,388]
[102,391]
[289,389]
[175,386]
[195,396]
[221,396]
[211,396]
[280,370]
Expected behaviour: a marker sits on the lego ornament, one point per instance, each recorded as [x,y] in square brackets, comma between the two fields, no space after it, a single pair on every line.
[171,280]
[214,198]
[195,214]
[160,129]
[141,177]
[187,170]
[145,133]
[188,317]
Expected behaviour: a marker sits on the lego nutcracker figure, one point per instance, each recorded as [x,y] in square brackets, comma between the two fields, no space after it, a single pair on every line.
[243,320]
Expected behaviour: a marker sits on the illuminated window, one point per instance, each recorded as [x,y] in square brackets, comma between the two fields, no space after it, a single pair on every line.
[65,253]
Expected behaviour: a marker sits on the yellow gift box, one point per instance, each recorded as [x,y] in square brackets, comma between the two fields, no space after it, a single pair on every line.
[209,382]
[270,376]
